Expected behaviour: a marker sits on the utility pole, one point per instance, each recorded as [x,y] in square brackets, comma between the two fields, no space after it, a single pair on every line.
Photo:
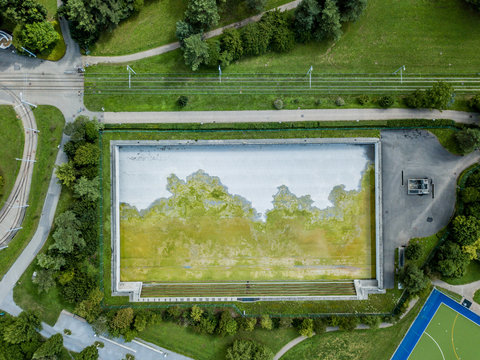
[219,73]
[130,71]
[401,69]
[26,102]
[309,73]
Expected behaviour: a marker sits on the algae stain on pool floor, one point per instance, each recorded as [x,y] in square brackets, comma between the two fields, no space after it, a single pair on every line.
[201,232]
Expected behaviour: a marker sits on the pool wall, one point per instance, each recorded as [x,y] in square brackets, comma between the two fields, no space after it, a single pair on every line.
[134,289]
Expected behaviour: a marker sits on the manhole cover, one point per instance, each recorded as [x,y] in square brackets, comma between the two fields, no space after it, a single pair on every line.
[429,219]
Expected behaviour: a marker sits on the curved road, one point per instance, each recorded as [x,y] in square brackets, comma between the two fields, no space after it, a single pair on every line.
[13,212]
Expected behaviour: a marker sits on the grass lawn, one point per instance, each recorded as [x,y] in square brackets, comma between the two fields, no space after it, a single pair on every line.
[154,25]
[13,140]
[51,6]
[356,345]
[446,137]
[50,122]
[472,274]
[428,37]
[476,296]
[453,295]
[449,336]
[206,347]
[50,304]
[427,245]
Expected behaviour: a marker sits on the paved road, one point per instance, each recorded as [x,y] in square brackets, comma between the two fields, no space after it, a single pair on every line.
[13,211]
[418,154]
[286,115]
[92,60]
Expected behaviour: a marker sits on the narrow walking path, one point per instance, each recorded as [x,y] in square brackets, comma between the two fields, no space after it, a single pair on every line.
[286,116]
[92,60]
[288,346]
[13,211]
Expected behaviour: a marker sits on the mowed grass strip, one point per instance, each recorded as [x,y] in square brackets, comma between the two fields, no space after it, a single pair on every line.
[50,122]
[12,140]
[449,334]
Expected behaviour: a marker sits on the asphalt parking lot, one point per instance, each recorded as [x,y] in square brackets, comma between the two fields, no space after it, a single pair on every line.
[418,154]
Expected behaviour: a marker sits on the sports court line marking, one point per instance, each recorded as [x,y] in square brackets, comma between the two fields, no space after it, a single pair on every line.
[453,343]
[439,348]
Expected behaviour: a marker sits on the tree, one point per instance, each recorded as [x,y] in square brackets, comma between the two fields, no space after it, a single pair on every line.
[87,189]
[470,194]
[122,320]
[451,261]
[466,229]
[413,251]
[413,279]
[76,129]
[38,36]
[44,280]
[206,325]
[231,42]
[474,102]
[140,322]
[248,323]
[386,101]
[22,328]
[348,323]
[66,173]
[86,154]
[53,346]
[416,100]
[256,5]
[468,139]
[439,96]
[89,353]
[67,235]
[196,313]
[474,3]
[283,40]
[183,31]
[306,15]
[306,328]
[266,322]
[248,350]
[90,307]
[227,325]
[252,40]
[50,261]
[330,27]
[92,127]
[350,10]
[100,325]
[23,11]
[196,52]
[202,14]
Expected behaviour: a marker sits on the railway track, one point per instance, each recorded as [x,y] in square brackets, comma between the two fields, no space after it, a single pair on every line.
[14,209]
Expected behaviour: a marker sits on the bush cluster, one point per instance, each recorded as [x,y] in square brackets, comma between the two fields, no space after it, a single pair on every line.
[439,96]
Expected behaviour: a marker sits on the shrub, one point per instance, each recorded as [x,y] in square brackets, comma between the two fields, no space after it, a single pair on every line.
[248,324]
[466,230]
[266,322]
[386,101]
[182,101]
[439,96]
[474,103]
[227,325]
[283,40]
[363,99]
[248,350]
[278,104]
[252,40]
[416,99]
[348,323]
[67,331]
[468,140]
[414,279]
[231,43]
[256,5]
[339,101]
[451,261]
[285,322]
[99,344]
[319,325]
[129,357]
[372,321]
[413,251]
[470,194]
[306,328]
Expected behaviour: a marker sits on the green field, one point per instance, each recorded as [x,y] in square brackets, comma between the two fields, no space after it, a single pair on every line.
[185,238]
[12,147]
[154,25]
[448,336]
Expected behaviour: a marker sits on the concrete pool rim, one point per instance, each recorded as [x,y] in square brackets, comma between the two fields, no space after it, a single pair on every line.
[133,289]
